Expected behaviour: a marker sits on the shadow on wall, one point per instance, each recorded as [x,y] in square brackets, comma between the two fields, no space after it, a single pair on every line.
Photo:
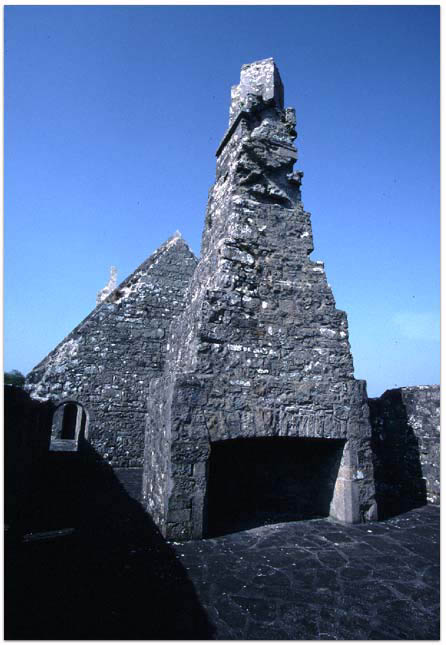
[113,576]
[399,481]
[27,429]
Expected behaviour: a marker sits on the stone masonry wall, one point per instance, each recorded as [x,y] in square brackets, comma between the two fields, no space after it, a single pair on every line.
[107,361]
[156,465]
[261,349]
[406,447]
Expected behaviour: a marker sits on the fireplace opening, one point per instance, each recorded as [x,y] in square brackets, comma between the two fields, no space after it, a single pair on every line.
[253,482]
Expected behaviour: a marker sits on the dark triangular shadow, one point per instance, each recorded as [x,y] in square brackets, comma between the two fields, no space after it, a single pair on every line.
[104,572]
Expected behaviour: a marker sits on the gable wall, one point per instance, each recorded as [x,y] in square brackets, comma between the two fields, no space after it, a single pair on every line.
[106,363]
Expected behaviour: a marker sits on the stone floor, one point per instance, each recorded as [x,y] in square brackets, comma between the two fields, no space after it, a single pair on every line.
[92,565]
[321,580]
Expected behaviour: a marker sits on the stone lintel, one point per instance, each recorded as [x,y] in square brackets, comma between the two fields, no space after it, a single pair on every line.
[230,131]
[282,147]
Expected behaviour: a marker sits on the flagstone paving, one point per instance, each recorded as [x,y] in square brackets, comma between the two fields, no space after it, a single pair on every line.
[321,580]
[112,576]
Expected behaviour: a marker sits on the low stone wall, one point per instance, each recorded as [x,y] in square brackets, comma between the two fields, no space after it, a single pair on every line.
[406,448]
[49,490]
[27,428]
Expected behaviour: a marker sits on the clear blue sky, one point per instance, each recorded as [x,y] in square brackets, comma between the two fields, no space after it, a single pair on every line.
[112,118]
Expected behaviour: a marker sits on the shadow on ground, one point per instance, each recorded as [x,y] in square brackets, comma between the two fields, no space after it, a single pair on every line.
[93,565]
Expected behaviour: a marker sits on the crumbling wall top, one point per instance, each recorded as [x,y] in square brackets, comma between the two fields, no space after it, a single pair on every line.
[109,287]
[260,78]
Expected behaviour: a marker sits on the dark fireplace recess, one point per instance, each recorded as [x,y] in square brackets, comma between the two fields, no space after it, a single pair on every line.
[252,482]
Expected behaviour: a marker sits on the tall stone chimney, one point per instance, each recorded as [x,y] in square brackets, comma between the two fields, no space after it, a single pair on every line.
[260,356]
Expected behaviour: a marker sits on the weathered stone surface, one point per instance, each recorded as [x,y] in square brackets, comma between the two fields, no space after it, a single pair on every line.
[109,287]
[260,349]
[322,581]
[256,79]
[107,361]
[406,447]
[259,352]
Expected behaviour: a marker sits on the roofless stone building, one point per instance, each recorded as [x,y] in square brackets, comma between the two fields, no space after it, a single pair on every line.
[229,381]
[258,409]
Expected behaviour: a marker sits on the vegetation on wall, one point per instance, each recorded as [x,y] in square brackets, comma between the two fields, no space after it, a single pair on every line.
[14,378]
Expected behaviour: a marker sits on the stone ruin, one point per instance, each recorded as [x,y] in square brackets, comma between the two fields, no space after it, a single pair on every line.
[97,377]
[258,398]
[229,380]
